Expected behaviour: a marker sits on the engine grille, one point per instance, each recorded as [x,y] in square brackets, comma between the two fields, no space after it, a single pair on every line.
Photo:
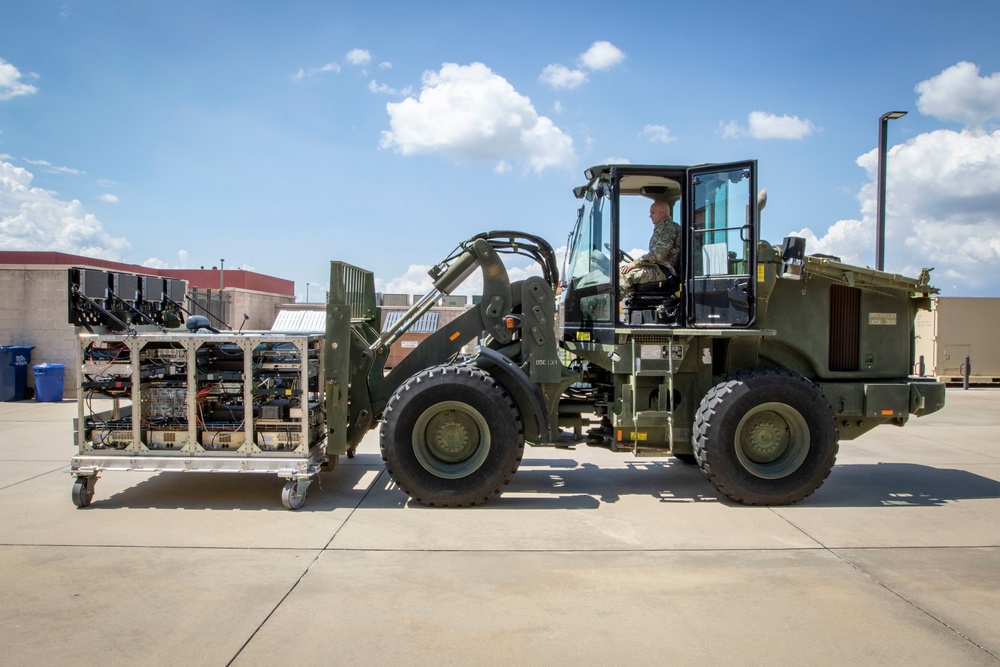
[845,327]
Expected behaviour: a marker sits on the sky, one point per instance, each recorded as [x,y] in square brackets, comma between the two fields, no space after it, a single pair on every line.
[280,136]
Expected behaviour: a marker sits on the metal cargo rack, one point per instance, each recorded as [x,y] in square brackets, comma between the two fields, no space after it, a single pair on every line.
[201,402]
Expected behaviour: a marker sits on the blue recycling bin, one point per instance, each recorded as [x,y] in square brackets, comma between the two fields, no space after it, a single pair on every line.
[14,361]
[49,383]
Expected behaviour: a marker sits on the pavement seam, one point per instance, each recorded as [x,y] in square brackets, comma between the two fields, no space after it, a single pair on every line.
[913,604]
[885,587]
[304,572]
[28,479]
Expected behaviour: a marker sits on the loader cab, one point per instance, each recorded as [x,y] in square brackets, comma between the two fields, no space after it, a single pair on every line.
[715,285]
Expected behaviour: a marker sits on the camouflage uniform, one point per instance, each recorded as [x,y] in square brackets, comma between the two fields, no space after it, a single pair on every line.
[664,247]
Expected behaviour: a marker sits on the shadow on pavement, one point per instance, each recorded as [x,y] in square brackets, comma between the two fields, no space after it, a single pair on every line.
[345,486]
[556,483]
[900,485]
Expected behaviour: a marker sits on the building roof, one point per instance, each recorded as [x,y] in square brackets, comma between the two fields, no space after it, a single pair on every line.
[200,278]
[300,321]
[425,325]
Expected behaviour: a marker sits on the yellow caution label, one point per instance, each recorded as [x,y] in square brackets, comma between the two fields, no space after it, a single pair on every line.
[583,335]
[760,273]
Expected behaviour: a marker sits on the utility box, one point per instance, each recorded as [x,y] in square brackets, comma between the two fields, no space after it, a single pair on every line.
[956,328]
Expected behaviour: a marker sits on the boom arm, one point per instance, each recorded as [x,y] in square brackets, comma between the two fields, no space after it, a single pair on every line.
[362,355]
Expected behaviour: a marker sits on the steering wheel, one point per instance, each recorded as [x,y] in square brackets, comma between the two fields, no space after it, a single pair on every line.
[622,255]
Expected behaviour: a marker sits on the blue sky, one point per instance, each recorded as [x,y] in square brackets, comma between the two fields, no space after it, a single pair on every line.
[279,136]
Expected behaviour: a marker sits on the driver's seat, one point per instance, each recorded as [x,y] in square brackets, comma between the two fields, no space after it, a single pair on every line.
[654,302]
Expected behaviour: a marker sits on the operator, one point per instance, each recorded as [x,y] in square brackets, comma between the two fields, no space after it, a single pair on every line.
[664,247]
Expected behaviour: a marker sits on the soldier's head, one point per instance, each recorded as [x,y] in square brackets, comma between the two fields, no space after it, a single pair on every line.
[659,211]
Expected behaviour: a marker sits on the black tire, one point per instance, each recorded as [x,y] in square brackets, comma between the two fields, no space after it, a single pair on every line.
[451,436]
[766,436]
[83,490]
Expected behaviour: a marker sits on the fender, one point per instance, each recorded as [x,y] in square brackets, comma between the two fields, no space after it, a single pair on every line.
[525,392]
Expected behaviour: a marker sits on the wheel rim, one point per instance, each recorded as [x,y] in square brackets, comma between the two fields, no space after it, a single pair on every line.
[451,439]
[292,497]
[772,440]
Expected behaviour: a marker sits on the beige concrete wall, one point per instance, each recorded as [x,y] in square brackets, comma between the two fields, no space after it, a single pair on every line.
[34,311]
[260,306]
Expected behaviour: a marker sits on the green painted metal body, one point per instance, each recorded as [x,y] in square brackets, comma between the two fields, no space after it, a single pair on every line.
[847,329]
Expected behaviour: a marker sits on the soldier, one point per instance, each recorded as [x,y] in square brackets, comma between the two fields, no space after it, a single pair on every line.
[664,247]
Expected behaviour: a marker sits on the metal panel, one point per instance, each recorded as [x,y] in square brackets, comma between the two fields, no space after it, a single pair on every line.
[174,289]
[94,283]
[126,286]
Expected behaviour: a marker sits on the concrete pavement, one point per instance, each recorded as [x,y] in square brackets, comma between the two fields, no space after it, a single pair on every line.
[588,558]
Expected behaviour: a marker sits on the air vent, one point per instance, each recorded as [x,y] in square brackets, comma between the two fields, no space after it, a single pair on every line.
[845,327]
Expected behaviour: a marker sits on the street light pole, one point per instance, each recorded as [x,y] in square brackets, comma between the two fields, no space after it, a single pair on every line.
[880,188]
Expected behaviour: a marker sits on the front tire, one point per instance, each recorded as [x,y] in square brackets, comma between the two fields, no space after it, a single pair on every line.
[451,436]
[766,436]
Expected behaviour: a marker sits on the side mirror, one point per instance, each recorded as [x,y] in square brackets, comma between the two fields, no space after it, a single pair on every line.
[793,250]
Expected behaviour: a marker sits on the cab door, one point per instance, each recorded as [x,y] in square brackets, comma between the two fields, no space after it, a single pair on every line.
[721,248]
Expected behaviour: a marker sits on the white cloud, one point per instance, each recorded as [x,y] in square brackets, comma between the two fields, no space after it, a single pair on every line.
[109,198]
[502,167]
[467,112]
[942,210]
[615,160]
[560,76]
[769,126]
[34,219]
[50,168]
[313,71]
[762,125]
[731,130]
[416,281]
[385,65]
[960,94]
[385,89]
[601,56]
[658,133]
[182,262]
[10,82]
[358,57]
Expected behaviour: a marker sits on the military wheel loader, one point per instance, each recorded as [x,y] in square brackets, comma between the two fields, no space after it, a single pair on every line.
[753,362]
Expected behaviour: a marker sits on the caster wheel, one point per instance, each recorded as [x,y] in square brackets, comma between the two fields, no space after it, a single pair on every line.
[83,491]
[292,496]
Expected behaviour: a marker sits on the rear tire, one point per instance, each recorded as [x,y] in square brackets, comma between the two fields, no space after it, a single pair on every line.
[451,436]
[766,436]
